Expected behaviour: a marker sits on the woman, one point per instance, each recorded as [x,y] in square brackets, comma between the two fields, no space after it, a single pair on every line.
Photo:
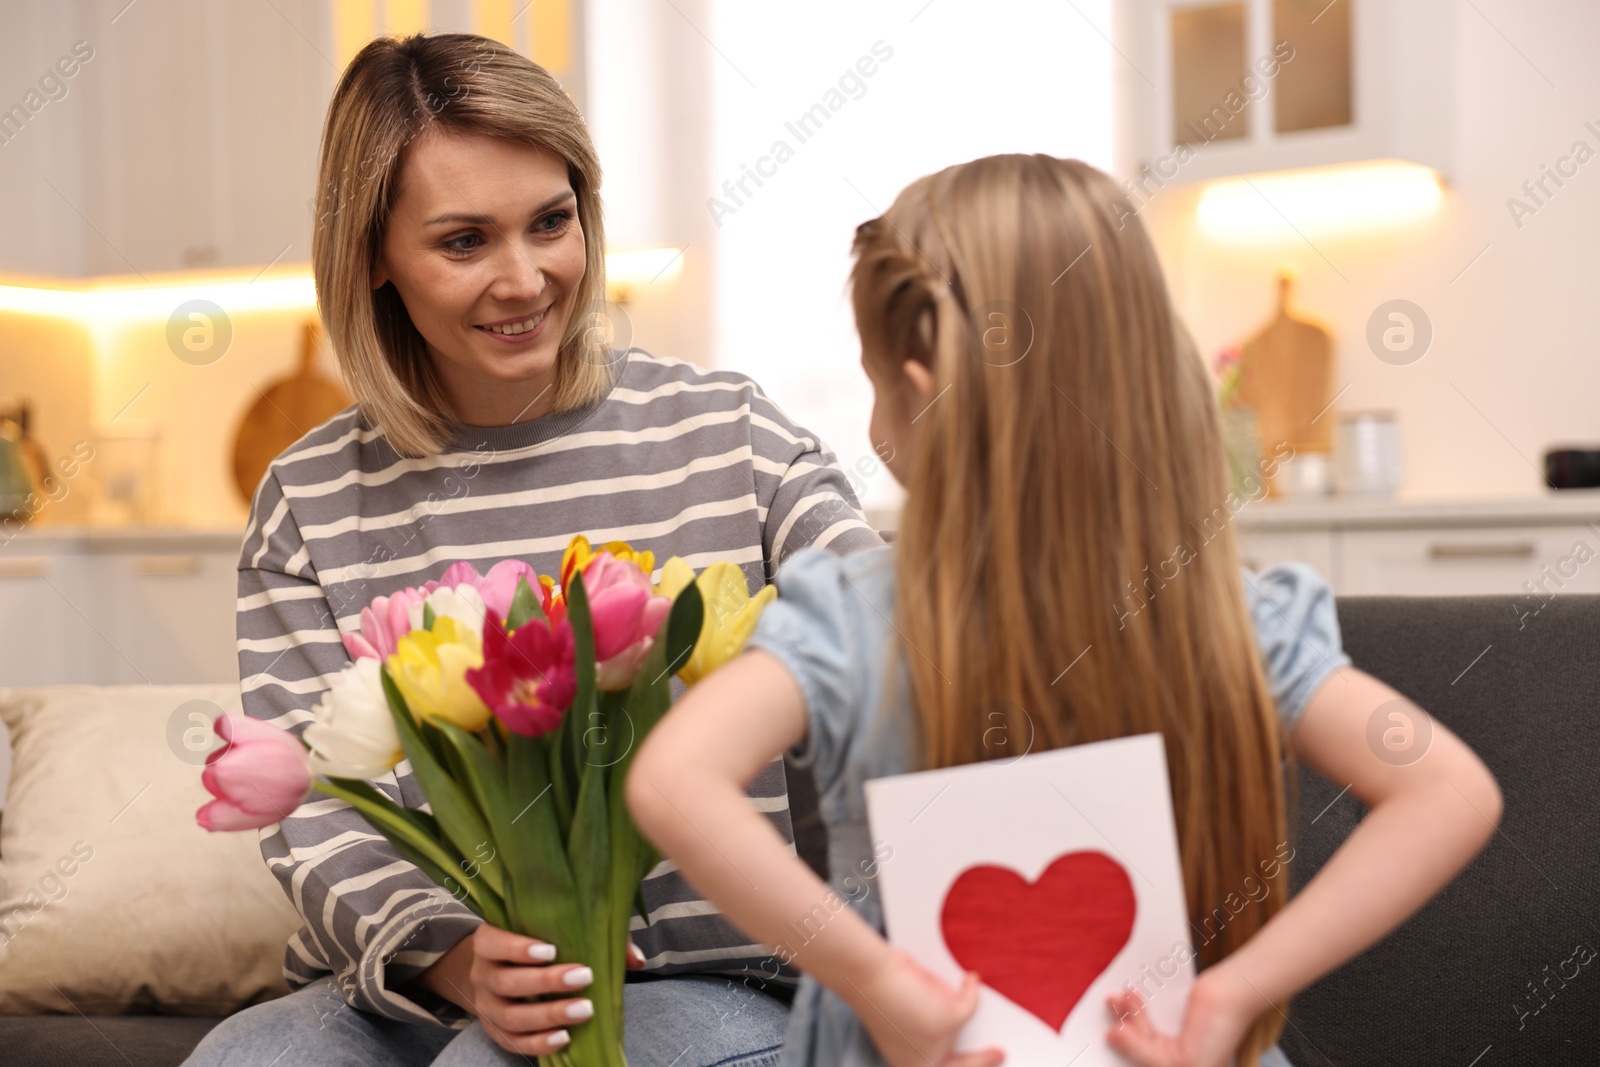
[459,260]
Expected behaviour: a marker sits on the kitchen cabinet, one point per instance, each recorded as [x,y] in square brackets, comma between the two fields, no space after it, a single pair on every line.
[183,135]
[46,631]
[1526,550]
[1213,89]
[1487,560]
[1263,548]
[169,147]
[206,155]
[102,607]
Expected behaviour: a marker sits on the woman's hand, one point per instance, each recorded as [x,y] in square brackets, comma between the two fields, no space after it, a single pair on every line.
[490,975]
[913,1017]
[1214,1022]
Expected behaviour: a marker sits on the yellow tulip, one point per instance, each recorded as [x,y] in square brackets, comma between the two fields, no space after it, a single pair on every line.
[429,667]
[675,577]
[730,612]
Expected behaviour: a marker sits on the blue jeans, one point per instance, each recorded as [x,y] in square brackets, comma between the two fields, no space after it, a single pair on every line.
[687,1021]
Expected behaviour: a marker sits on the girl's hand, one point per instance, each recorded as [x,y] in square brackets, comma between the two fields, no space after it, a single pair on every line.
[913,1017]
[505,968]
[1214,1022]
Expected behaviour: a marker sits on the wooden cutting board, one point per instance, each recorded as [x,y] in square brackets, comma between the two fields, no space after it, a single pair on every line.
[285,411]
[1286,378]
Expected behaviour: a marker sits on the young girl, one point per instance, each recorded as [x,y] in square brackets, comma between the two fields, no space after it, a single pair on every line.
[1065,570]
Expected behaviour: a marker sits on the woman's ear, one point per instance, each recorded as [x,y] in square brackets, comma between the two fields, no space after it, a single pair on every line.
[920,376]
[380,273]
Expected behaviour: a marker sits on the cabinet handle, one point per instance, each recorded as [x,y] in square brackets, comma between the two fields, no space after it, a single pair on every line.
[26,567]
[166,566]
[1486,550]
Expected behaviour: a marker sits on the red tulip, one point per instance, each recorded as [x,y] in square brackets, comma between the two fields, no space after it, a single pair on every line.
[528,677]
[551,602]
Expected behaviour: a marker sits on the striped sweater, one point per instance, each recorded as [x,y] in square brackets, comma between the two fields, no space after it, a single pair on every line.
[675,459]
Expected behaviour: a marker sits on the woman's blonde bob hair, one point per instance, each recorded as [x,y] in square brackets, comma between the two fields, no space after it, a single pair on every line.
[393,91]
[1075,441]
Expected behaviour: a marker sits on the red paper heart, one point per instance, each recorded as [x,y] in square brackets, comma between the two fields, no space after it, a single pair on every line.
[1040,944]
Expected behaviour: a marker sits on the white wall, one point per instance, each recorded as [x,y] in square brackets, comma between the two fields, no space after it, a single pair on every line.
[1513,367]
[648,105]
[962,80]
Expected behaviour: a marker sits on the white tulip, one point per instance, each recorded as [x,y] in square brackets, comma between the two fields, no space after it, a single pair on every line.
[463,603]
[354,735]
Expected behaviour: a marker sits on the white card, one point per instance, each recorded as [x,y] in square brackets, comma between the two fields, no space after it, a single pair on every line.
[1078,881]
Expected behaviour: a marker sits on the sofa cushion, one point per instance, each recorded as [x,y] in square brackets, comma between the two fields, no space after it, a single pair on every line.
[1503,960]
[112,899]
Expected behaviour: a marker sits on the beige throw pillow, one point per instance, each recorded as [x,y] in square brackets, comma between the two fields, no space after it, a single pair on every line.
[112,899]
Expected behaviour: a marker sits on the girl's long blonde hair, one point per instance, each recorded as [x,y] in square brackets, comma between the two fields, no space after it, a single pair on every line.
[394,91]
[1072,442]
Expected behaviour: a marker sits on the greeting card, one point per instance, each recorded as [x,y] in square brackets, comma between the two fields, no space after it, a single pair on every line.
[1056,878]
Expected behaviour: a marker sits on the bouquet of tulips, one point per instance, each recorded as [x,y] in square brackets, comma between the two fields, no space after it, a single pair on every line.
[519,701]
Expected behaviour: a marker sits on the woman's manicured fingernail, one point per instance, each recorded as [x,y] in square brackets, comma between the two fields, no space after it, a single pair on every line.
[541,953]
[580,1009]
[578,976]
[557,1039]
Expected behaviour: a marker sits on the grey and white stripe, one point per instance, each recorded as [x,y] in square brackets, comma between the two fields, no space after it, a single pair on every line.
[674,459]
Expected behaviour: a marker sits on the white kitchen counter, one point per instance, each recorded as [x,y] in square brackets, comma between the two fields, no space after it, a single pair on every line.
[53,537]
[1526,548]
[1565,506]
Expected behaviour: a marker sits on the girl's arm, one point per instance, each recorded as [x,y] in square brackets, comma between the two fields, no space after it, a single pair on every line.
[686,792]
[1427,819]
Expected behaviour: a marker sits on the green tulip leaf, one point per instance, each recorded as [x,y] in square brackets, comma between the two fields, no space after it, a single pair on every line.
[408,830]
[484,776]
[452,806]
[543,894]
[683,626]
[524,605]
[589,847]
[581,717]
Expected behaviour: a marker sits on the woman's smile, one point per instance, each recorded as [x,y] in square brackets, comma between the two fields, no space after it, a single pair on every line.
[514,332]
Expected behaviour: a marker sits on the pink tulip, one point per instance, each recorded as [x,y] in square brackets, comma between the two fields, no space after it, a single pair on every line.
[386,620]
[529,677]
[497,587]
[383,623]
[259,776]
[626,615]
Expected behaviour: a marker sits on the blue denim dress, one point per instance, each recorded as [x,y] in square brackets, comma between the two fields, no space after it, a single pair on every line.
[831,627]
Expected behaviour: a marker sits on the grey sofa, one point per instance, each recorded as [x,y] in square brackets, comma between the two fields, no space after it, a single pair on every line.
[1488,974]
[1481,975]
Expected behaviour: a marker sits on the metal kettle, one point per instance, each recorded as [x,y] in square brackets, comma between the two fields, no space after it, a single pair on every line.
[16,485]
